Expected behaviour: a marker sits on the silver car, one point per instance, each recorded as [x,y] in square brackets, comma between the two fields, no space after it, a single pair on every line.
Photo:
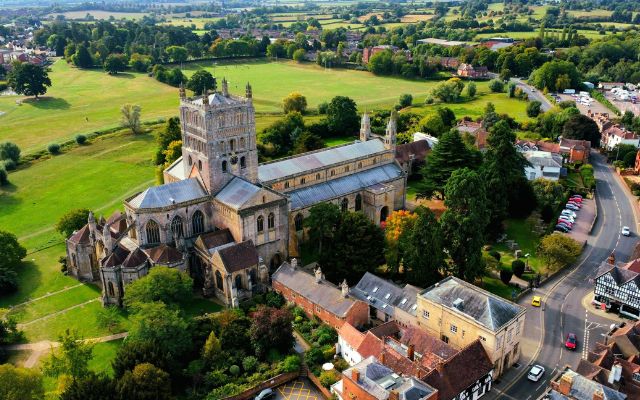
[535,373]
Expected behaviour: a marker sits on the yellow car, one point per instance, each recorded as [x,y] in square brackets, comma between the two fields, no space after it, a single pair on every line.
[536,301]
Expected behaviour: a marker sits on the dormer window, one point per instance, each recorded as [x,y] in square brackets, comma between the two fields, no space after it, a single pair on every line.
[375,289]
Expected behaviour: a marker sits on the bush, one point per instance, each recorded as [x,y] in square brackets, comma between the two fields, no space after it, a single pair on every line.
[249,364]
[495,254]
[81,139]
[322,107]
[234,370]
[533,108]
[328,352]
[314,356]
[340,364]
[586,171]
[9,151]
[505,276]
[53,148]
[517,266]
[328,378]
[291,364]
[3,176]
[8,164]
[405,100]
[274,299]
[496,85]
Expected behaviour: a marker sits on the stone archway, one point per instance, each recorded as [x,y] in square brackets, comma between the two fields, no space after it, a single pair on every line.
[275,262]
[384,213]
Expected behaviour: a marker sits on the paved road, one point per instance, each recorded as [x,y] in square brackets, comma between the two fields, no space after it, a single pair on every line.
[563,310]
[533,94]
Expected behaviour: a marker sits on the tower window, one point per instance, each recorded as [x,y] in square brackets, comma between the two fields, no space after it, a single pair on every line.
[271,221]
[197,222]
[232,145]
[333,172]
[153,232]
[344,206]
[360,164]
[242,143]
[299,222]
[243,162]
[303,181]
[318,177]
[224,166]
[260,224]
[286,185]
[190,160]
[176,227]
[199,165]
[346,169]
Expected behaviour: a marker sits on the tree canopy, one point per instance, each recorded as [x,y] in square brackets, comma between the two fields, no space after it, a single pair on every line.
[581,127]
[72,221]
[201,81]
[29,79]
[294,102]
[423,250]
[164,284]
[20,383]
[342,116]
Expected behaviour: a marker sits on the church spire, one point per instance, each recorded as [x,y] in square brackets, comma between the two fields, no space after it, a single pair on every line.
[248,92]
[365,127]
[183,94]
[392,130]
[225,87]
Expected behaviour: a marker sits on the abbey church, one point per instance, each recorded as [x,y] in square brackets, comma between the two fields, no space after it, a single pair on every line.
[222,217]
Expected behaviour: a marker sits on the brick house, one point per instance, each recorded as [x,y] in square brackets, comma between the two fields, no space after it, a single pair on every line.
[476,130]
[368,52]
[469,71]
[575,150]
[318,297]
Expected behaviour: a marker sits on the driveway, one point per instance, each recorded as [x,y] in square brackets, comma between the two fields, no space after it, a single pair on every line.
[300,389]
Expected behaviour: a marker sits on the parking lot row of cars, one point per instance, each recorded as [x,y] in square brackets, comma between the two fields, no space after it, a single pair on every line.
[568,216]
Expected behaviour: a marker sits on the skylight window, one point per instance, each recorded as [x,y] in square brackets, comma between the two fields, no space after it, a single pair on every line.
[387,295]
[375,289]
[403,301]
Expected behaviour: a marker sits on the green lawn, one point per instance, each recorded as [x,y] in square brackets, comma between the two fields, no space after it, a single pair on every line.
[81,101]
[337,141]
[526,35]
[496,286]
[272,81]
[520,231]
[103,355]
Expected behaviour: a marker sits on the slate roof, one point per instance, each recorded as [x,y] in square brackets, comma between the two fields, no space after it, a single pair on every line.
[218,99]
[164,254]
[237,192]
[117,257]
[239,256]
[460,371]
[619,274]
[543,159]
[385,295]
[324,294]
[177,169]
[335,188]
[136,258]
[584,389]
[81,236]
[169,194]
[487,309]
[426,344]
[318,159]
[418,149]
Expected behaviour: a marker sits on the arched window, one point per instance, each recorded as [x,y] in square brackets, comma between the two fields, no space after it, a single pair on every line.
[318,177]
[242,143]
[286,185]
[153,232]
[384,213]
[360,164]
[197,222]
[112,291]
[271,221]
[333,172]
[190,161]
[299,220]
[243,162]
[303,181]
[358,202]
[260,224]
[219,280]
[232,145]
[176,227]
[224,166]
[238,282]
[344,206]
[199,165]
[346,169]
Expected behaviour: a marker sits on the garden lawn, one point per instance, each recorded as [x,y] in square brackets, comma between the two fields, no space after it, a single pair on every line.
[81,101]
[519,230]
[103,354]
[272,81]
[495,286]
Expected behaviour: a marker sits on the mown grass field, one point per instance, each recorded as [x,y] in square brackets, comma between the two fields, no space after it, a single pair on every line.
[99,14]
[81,101]
[532,34]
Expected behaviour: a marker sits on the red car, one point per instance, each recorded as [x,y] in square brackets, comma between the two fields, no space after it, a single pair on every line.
[576,199]
[572,341]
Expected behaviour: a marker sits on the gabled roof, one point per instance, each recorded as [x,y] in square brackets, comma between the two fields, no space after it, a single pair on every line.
[351,335]
[136,258]
[385,295]
[426,344]
[318,159]
[322,293]
[117,257]
[176,169]
[169,194]
[164,254]
[81,236]
[237,192]
[239,256]
[211,240]
[487,309]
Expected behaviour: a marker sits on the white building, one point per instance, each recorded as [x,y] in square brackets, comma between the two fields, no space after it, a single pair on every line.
[544,164]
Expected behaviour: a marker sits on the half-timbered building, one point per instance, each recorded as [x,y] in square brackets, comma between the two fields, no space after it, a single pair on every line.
[617,287]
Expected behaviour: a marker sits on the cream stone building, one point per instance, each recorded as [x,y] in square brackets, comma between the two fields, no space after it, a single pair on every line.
[460,313]
[224,218]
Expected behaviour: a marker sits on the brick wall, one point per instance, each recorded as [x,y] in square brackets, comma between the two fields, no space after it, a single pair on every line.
[271,383]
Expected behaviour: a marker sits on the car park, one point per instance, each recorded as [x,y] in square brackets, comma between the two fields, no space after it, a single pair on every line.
[568,224]
[570,213]
[576,198]
[626,231]
[572,341]
[266,394]
[578,205]
[535,373]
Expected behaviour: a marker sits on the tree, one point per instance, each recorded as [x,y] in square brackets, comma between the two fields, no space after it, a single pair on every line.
[82,58]
[201,81]
[449,91]
[294,102]
[177,54]
[11,252]
[9,151]
[447,156]
[558,250]
[306,142]
[145,382]
[342,116]
[171,133]
[505,275]
[464,222]
[131,117]
[395,227]
[405,100]
[271,328]
[4,176]
[108,317]
[581,127]
[533,108]
[140,62]
[29,79]
[490,117]
[322,222]
[72,358]
[547,75]
[115,63]
[283,133]
[20,383]
[212,348]
[130,354]
[423,255]
[72,221]
[496,86]
[381,63]
[299,55]
[164,284]
[156,323]
[517,266]
[433,125]
[173,152]
[90,387]
[471,90]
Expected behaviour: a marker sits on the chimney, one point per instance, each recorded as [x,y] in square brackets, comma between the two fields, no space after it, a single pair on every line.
[612,259]
[598,395]
[394,395]
[318,274]
[411,352]
[355,375]
[382,358]
[294,263]
[440,368]
[566,381]
[345,288]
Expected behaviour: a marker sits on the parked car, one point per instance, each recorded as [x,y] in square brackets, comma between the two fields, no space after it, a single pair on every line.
[536,301]
[572,341]
[626,231]
[570,213]
[266,394]
[561,228]
[571,207]
[573,203]
[567,218]
[576,199]
[564,224]
[535,373]
[577,195]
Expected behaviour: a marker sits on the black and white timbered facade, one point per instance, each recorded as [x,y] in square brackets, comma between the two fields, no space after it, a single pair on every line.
[618,287]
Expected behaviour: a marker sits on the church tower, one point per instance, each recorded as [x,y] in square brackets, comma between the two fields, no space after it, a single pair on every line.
[365,127]
[392,131]
[219,137]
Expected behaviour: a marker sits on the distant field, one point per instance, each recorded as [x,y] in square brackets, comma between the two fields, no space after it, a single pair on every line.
[98,14]
[587,14]
[409,18]
[81,101]
[527,35]
[188,22]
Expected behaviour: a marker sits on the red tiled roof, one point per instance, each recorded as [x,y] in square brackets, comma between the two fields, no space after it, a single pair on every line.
[370,346]
[80,236]
[164,254]
[239,256]
[351,335]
